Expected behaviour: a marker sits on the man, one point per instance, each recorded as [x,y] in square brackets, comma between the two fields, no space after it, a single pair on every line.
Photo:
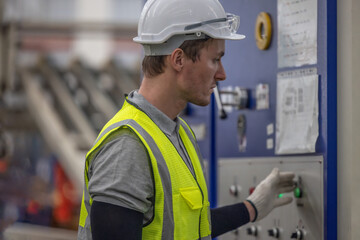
[144,176]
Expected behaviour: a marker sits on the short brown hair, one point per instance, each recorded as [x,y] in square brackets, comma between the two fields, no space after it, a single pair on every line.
[154,65]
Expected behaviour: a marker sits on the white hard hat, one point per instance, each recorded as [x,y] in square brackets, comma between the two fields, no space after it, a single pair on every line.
[165,24]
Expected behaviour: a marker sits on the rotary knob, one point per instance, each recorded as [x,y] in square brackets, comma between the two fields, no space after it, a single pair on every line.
[274,232]
[235,190]
[298,235]
[252,231]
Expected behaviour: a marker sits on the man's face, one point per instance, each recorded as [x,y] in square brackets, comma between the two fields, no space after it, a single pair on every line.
[200,77]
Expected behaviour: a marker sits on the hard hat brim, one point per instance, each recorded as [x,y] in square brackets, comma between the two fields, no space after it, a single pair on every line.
[229,37]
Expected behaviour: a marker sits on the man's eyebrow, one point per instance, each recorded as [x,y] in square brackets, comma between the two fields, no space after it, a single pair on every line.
[221,54]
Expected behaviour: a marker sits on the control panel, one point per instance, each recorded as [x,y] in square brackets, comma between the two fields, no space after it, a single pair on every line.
[302,219]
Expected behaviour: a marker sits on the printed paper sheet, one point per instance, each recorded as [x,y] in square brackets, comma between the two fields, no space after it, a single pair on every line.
[297,33]
[297,112]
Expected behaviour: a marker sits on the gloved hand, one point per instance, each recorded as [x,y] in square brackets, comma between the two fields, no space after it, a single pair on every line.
[265,197]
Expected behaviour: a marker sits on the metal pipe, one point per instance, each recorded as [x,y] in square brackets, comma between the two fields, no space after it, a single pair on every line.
[221,111]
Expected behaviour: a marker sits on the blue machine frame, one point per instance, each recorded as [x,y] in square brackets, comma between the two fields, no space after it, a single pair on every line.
[246,66]
[241,71]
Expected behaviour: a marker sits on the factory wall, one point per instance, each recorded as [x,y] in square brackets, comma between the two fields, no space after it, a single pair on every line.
[348,117]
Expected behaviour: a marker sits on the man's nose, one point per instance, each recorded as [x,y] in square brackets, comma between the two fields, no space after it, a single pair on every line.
[220,74]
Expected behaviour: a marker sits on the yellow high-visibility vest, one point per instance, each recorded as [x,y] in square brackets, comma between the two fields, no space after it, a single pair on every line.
[181,206]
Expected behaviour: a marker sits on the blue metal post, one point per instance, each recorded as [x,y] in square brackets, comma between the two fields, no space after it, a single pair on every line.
[213,157]
[330,181]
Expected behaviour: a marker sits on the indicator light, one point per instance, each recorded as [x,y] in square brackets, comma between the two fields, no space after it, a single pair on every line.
[280,195]
[298,192]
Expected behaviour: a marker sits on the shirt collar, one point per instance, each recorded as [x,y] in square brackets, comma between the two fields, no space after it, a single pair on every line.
[167,125]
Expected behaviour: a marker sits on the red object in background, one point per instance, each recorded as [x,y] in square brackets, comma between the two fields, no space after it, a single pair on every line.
[251,190]
[64,197]
[45,43]
[33,207]
[3,166]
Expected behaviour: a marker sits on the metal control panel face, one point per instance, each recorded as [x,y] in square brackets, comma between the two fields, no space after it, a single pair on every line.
[301,219]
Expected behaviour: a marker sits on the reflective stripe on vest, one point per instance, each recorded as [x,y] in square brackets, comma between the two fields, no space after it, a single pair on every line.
[181,207]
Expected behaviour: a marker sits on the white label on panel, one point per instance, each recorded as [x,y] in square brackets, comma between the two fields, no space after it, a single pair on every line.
[270,129]
[262,96]
[269,143]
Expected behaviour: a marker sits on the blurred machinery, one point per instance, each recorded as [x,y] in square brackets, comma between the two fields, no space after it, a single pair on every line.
[52,106]
[71,106]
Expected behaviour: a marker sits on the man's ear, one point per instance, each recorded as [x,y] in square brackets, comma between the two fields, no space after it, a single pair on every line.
[177,59]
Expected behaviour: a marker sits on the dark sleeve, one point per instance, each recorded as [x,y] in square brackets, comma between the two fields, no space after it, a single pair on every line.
[109,222]
[224,219]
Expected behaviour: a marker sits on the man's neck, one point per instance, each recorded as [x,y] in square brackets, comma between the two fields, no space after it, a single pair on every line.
[160,92]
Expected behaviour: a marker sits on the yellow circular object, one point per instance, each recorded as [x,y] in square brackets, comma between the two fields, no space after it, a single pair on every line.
[263,30]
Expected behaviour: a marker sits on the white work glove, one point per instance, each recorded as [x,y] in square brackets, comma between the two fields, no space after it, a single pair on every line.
[265,197]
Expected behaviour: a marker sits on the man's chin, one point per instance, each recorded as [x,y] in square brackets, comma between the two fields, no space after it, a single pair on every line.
[202,103]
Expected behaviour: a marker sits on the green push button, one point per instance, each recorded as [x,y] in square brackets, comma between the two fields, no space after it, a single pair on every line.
[297,192]
[280,195]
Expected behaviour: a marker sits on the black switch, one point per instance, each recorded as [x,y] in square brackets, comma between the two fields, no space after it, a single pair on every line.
[298,234]
[274,232]
[252,231]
